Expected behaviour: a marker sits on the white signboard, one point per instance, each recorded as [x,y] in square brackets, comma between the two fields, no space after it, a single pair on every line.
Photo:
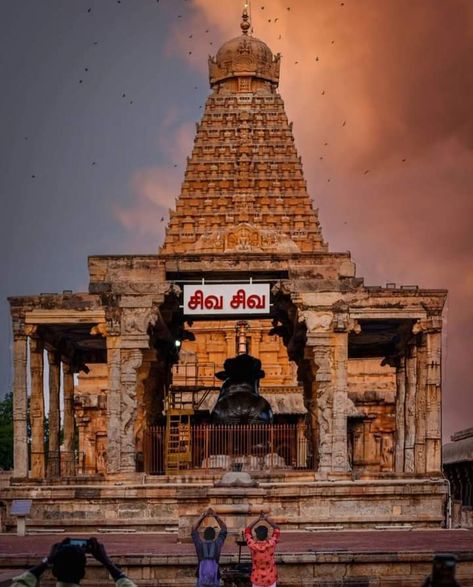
[226,298]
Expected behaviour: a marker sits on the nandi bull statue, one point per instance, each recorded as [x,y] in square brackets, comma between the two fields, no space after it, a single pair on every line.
[239,401]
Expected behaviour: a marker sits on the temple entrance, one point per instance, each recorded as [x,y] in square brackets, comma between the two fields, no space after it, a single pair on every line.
[211,418]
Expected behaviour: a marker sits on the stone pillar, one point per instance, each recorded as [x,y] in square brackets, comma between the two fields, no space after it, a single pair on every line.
[54,462]
[324,385]
[421,407]
[20,442]
[131,359]
[38,469]
[433,438]
[69,422]
[410,409]
[340,461]
[400,415]
[113,404]
[306,374]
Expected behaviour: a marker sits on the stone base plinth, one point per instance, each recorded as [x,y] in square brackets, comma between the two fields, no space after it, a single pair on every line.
[172,504]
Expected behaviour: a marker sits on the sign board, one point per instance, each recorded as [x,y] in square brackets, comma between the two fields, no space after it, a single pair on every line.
[226,298]
[20,507]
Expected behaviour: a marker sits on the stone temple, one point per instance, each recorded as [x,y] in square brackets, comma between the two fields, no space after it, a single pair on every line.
[352,372]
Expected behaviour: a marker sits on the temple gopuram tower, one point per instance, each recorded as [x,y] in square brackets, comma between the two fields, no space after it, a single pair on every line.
[352,372]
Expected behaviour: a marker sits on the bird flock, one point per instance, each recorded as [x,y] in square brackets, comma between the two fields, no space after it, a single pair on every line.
[191,37]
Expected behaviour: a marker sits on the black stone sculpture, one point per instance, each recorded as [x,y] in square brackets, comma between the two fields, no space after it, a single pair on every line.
[239,401]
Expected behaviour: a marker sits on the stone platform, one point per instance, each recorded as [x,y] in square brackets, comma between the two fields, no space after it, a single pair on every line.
[356,558]
[295,502]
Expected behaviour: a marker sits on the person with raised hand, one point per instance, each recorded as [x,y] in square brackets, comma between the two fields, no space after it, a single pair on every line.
[208,550]
[264,571]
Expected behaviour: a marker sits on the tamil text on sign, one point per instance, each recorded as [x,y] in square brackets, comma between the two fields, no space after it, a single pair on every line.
[226,298]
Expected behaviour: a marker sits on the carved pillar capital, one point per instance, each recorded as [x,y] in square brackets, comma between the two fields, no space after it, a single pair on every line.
[18,328]
[30,330]
[431,324]
[101,329]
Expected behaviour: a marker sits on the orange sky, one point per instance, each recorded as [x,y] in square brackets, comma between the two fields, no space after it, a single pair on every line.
[391,95]
[99,110]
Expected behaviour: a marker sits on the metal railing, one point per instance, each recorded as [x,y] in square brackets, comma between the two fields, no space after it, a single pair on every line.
[238,447]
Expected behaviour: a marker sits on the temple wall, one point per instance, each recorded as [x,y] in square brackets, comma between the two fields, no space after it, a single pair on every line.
[90,403]
[372,388]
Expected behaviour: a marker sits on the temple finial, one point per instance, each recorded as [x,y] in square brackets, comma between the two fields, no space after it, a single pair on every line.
[245,23]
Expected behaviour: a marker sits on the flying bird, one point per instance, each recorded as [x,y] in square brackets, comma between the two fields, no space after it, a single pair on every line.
[367,171]
[89,10]
[344,123]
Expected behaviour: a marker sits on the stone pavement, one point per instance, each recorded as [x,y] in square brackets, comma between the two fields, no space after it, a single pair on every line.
[376,558]
[362,541]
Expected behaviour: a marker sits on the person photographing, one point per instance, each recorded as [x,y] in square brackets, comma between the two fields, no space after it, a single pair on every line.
[68,561]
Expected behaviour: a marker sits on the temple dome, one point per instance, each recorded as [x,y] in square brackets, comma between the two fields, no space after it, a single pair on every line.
[244,56]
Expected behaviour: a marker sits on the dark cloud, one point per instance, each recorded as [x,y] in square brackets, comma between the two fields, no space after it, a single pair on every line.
[398,89]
